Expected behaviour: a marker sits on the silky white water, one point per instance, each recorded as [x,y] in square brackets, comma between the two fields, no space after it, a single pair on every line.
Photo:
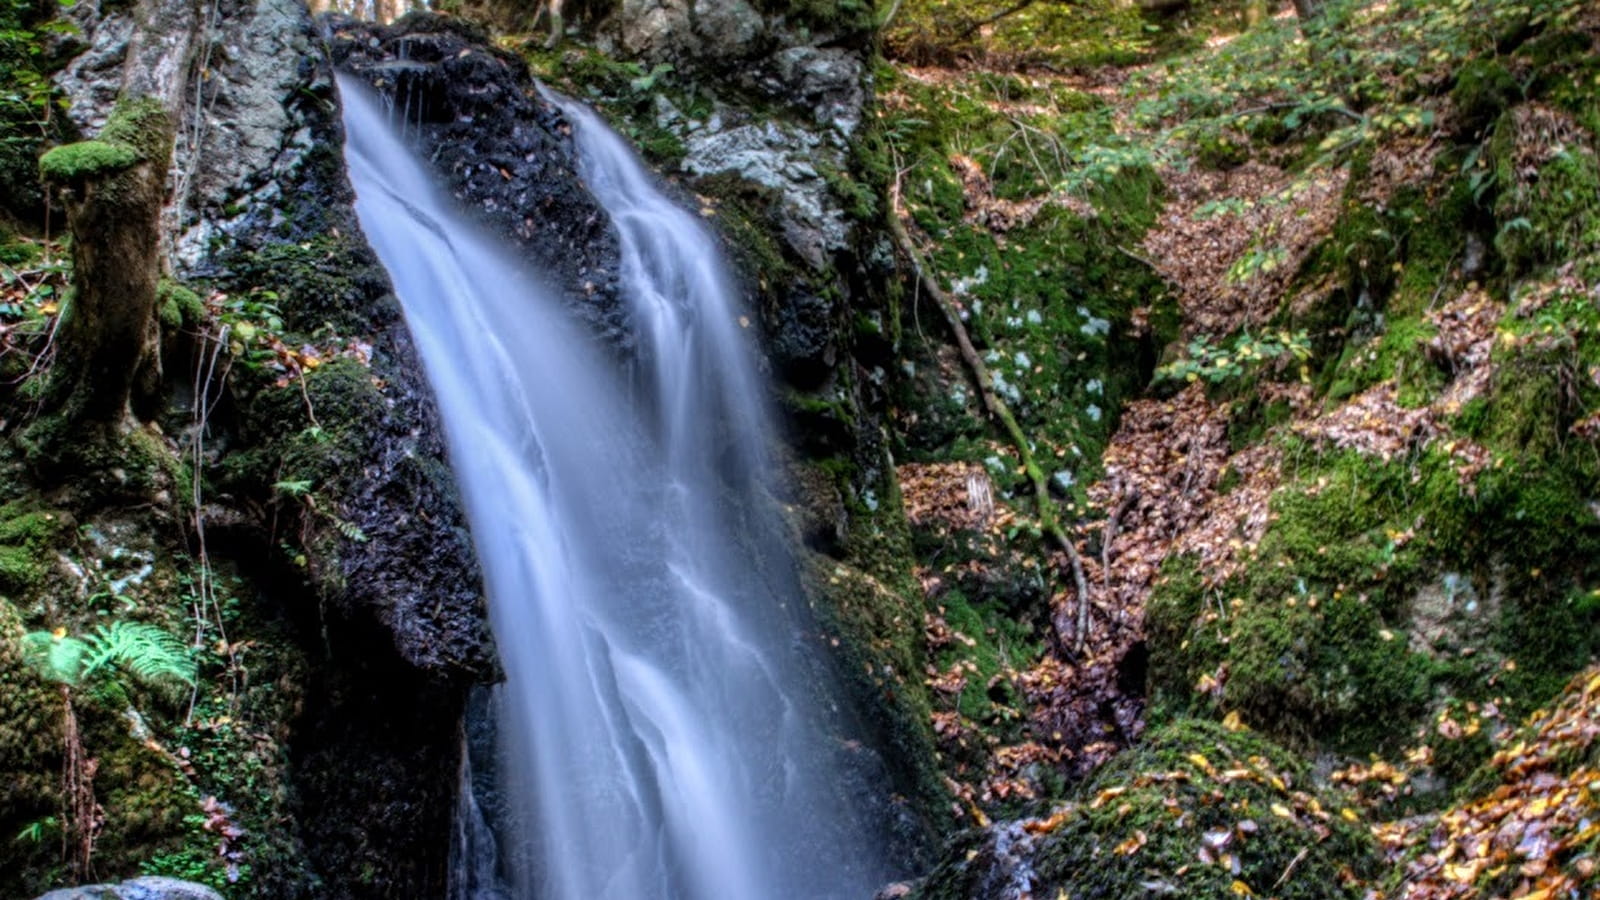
[660,732]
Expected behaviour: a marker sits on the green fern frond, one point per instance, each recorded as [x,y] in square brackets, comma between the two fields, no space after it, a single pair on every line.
[55,656]
[148,653]
[350,530]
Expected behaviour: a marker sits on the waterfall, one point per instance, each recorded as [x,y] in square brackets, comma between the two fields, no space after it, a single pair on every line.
[662,732]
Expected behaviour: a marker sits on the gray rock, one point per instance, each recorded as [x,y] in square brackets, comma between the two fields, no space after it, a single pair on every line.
[150,887]
[254,64]
[93,78]
[780,158]
[727,29]
[827,80]
[655,30]
[689,32]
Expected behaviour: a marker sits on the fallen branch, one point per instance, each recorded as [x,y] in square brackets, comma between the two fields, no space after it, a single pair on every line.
[996,407]
[1105,546]
[977,25]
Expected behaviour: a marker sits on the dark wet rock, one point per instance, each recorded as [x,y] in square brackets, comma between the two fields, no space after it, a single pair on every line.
[385,598]
[502,151]
[414,572]
[802,339]
[271,209]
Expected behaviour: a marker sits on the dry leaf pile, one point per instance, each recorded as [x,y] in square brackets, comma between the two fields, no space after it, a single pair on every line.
[1534,835]
[1273,214]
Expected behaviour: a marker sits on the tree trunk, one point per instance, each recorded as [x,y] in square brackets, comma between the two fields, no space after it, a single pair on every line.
[1308,10]
[113,188]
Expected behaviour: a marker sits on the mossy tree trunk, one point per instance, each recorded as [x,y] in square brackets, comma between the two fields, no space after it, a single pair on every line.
[113,189]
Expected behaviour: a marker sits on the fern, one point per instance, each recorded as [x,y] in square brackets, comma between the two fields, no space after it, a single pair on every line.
[55,656]
[145,652]
[148,653]
[350,530]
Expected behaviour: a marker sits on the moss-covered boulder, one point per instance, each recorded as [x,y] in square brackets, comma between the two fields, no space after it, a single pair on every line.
[1548,177]
[1196,810]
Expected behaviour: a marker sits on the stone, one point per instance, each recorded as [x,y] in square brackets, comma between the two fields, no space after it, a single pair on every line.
[149,887]
[826,80]
[780,158]
[727,29]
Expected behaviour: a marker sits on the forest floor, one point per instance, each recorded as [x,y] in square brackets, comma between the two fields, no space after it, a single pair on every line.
[1375,298]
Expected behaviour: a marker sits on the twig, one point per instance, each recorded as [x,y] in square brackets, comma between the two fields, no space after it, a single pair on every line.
[996,408]
[1290,867]
[889,16]
[1111,535]
[1137,257]
[973,27]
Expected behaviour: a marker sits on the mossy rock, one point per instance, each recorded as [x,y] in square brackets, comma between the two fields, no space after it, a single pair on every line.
[27,534]
[1194,810]
[1552,215]
[1483,89]
[178,306]
[30,764]
[1327,640]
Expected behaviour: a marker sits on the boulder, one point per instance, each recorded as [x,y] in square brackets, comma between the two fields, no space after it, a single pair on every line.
[149,887]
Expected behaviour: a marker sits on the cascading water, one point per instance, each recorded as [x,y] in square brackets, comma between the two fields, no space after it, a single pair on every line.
[659,730]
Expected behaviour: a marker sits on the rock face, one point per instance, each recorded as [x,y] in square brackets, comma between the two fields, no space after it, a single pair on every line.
[815,70]
[499,147]
[386,590]
[779,158]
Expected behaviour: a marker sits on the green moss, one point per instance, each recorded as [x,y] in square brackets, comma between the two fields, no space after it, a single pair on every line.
[141,123]
[138,130]
[30,761]
[178,306]
[1143,819]
[1483,88]
[328,281]
[871,610]
[1392,355]
[993,645]
[26,536]
[87,159]
[1550,216]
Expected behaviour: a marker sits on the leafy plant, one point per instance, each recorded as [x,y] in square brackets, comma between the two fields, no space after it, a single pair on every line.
[1246,353]
[146,652]
[1257,261]
[35,831]
[143,652]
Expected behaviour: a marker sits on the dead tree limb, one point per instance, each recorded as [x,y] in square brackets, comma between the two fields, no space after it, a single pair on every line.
[976,25]
[1131,498]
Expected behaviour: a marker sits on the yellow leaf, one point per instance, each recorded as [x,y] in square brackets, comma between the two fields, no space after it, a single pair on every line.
[1241,889]
[49,309]
[1281,811]
[1105,796]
